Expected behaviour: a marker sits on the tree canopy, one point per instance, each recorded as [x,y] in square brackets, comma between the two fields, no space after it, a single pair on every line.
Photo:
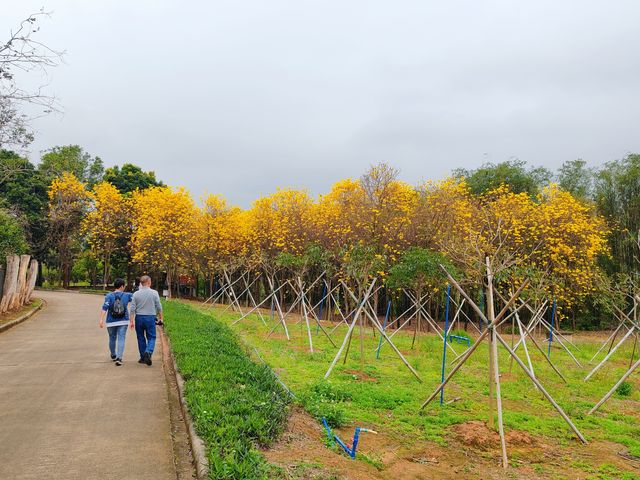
[12,237]
[130,178]
[515,173]
[71,159]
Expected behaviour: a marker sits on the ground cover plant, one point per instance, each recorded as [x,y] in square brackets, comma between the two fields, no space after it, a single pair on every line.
[387,398]
[237,405]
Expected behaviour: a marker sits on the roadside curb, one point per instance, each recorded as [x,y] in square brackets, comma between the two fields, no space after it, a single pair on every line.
[197,445]
[24,317]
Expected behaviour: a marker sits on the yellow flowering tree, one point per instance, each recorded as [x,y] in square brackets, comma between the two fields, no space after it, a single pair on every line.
[281,223]
[165,222]
[107,224]
[225,235]
[68,203]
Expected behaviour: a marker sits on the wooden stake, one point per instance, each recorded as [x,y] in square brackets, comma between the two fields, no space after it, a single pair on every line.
[492,360]
[496,373]
[463,359]
[384,336]
[604,360]
[353,323]
[304,313]
[615,387]
[537,383]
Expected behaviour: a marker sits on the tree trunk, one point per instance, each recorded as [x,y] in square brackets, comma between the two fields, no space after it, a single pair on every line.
[10,282]
[2,269]
[21,291]
[32,278]
[107,268]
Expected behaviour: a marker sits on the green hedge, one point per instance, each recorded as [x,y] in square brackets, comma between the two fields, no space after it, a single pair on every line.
[236,404]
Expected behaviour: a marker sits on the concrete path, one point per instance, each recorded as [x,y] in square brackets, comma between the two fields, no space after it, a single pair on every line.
[66,412]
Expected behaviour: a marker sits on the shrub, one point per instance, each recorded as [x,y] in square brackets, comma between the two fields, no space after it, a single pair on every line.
[236,404]
[624,390]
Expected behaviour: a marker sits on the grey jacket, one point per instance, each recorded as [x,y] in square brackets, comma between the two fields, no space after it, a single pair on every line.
[145,301]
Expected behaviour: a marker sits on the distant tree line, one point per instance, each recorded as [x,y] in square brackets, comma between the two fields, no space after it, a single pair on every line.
[29,225]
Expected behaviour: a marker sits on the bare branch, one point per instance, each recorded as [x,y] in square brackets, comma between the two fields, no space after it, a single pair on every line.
[23,53]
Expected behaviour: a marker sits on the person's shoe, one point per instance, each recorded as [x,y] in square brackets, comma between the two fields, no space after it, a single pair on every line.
[113,358]
[147,358]
[118,362]
[141,360]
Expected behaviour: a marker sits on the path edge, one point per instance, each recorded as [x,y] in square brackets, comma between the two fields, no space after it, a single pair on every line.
[196,443]
[24,317]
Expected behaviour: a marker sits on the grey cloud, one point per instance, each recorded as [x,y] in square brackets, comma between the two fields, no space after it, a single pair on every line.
[239,97]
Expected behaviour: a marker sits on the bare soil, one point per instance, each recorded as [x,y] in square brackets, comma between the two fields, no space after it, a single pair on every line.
[472,452]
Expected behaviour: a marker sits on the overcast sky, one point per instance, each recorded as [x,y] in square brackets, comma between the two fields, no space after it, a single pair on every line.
[240,97]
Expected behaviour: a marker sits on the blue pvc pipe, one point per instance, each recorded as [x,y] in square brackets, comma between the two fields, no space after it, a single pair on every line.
[333,438]
[460,339]
[384,328]
[553,322]
[444,343]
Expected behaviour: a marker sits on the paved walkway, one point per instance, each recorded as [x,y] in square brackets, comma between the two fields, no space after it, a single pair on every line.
[66,412]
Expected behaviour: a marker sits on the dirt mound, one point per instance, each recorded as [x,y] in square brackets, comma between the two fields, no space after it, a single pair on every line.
[476,434]
[518,438]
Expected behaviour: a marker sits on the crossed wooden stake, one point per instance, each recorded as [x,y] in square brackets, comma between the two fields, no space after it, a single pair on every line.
[358,318]
[635,327]
[492,321]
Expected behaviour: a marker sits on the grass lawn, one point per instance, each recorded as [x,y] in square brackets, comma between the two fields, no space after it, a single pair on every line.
[386,397]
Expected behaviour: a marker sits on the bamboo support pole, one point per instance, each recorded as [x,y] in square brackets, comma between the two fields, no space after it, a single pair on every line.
[463,359]
[492,338]
[604,360]
[304,313]
[271,295]
[351,327]
[542,389]
[377,325]
[615,332]
[615,387]
[496,373]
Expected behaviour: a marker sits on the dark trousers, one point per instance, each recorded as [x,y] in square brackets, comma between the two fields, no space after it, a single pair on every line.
[146,332]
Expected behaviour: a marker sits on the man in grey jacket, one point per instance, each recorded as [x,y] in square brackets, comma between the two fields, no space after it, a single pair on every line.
[145,307]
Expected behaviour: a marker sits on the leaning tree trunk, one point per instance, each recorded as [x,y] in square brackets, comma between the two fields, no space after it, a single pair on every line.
[32,277]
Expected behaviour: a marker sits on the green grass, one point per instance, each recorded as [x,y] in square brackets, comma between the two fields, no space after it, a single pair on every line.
[388,398]
[236,403]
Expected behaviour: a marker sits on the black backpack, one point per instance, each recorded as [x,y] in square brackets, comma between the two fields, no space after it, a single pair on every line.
[118,310]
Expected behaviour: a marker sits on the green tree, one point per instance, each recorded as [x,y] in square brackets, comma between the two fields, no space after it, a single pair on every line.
[24,190]
[419,268]
[130,178]
[512,172]
[576,178]
[617,194]
[71,159]
[12,238]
